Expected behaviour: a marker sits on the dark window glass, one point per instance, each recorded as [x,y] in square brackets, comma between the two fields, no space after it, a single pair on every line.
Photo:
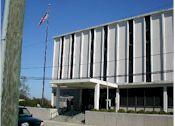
[61,65]
[158,97]
[123,97]
[170,97]
[148,49]
[149,97]
[132,97]
[105,52]
[92,52]
[130,51]
[140,97]
[72,55]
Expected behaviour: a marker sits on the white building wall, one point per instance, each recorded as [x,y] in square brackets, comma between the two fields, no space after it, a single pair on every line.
[65,65]
[55,60]
[156,48]
[59,56]
[168,45]
[122,53]
[84,54]
[138,50]
[162,51]
[89,53]
[111,53]
[76,58]
[97,52]
[102,53]
[69,56]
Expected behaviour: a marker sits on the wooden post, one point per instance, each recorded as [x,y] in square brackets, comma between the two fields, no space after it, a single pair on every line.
[10,65]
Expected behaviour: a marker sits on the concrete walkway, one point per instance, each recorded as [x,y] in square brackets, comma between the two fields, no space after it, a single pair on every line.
[55,123]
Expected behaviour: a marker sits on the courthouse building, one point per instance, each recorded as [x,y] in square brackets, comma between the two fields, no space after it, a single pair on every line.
[128,63]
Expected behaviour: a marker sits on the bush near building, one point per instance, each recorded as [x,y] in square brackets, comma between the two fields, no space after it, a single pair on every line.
[35,102]
[132,111]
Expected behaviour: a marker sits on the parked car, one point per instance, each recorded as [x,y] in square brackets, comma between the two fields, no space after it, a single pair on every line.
[26,119]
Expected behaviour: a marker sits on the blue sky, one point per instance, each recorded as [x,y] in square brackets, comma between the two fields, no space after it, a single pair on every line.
[67,16]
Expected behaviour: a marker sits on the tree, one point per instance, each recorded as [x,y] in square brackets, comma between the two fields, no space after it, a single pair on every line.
[24,89]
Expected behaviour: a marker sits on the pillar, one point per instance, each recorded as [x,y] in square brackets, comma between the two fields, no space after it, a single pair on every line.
[165,99]
[96,96]
[53,100]
[117,100]
[58,97]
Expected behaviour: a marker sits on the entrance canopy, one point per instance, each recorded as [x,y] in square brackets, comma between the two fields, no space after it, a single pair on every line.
[82,83]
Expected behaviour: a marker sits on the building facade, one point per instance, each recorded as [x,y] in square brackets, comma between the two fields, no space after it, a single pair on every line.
[128,62]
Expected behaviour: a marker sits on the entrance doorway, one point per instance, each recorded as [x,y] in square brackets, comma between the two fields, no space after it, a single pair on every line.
[87,99]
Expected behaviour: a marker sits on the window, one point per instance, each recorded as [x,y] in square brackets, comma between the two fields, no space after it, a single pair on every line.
[105,52]
[123,97]
[140,97]
[72,55]
[170,97]
[148,49]
[92,53]
[130,51]
[149,97]
[132,97]
[158,97]
[61,65]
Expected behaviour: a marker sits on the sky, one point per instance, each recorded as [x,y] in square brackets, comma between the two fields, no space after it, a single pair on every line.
[67,16]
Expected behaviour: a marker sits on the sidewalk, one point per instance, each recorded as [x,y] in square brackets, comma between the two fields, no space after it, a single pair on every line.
[55,123]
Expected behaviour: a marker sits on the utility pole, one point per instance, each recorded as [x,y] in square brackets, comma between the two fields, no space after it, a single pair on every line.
[10,61]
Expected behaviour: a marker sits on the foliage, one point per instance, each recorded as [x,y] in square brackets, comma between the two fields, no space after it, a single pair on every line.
[121,111]
[23,89]
[141,111]
[34,102]
[132,111]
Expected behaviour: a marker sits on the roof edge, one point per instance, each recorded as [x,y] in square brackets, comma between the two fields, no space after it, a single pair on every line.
[113,22]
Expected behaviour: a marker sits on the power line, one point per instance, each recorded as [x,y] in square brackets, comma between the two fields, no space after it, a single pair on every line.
[38,67]
[121,75]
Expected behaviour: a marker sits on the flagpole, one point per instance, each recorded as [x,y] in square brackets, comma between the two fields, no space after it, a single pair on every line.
[45,56]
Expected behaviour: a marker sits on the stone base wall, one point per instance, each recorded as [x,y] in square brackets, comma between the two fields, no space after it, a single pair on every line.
[127,119]
[43,113]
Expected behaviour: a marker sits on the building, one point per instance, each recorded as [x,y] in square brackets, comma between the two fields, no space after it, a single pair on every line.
[128,63]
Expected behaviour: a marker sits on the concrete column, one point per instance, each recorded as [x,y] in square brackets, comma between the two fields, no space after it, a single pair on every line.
[165,99]
[96,96]
[53,101]
[107,98]
[58,97]
[117,100]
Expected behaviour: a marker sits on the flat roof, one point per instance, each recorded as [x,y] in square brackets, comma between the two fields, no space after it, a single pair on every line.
[82,83]
[109,23]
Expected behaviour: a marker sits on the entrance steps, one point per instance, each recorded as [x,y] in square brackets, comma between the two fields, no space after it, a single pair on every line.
[71,117]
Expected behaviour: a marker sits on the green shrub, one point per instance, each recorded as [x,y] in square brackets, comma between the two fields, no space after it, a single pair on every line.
[131,111]
[141,111]
[170,113]
[121,111]
[151,112]
[111,110]
[93,110]
[162,112]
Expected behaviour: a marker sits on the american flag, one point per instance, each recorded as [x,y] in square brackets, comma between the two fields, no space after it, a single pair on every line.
[43,19]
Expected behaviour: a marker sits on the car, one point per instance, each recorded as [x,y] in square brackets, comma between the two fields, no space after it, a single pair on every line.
[26,119]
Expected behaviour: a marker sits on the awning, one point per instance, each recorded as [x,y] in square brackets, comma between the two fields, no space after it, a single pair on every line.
[82,83]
